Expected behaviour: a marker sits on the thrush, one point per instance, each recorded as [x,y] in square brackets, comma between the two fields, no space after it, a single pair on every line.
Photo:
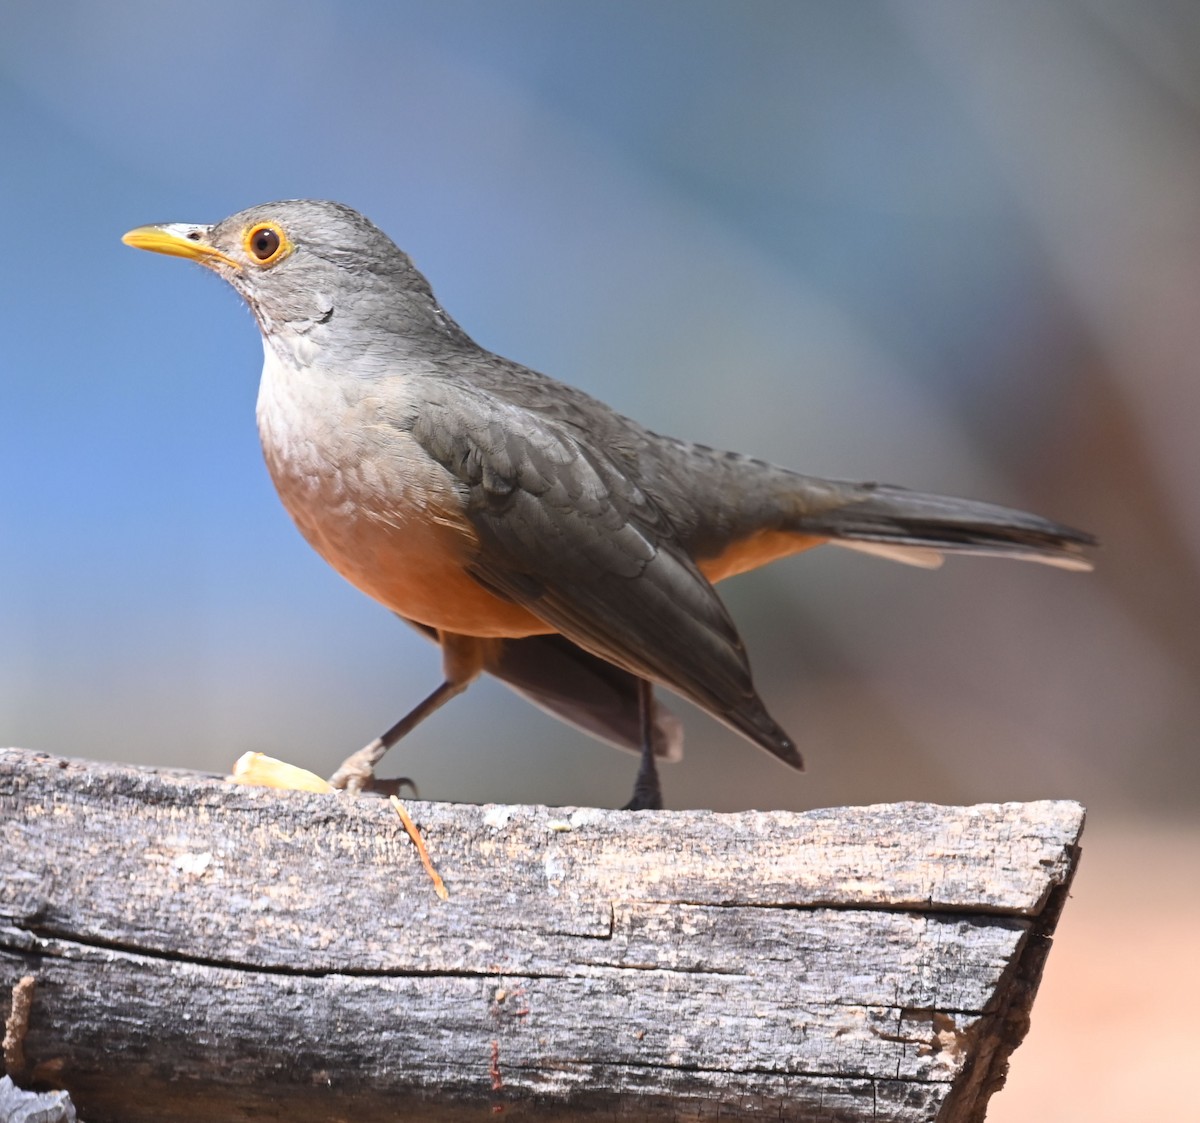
[532,531]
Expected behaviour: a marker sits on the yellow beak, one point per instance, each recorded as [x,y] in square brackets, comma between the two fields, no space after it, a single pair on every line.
[178,239]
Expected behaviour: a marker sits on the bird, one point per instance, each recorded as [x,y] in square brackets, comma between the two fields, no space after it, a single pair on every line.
[532,531]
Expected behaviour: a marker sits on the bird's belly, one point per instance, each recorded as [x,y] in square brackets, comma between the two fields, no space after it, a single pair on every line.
[380,511]
[412,566]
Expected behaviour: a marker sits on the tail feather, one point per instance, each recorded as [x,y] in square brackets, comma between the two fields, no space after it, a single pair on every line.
[897,520]
[921,557]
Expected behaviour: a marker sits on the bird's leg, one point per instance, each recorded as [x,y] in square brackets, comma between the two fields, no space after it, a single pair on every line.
[647,793]
[357,772]
[462,661]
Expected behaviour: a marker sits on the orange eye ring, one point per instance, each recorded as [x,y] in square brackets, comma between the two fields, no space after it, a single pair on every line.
[265,243]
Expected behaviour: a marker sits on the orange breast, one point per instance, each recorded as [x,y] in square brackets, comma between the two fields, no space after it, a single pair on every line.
[385,516]
[419,572]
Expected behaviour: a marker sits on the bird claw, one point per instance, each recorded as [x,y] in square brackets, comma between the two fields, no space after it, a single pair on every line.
[356,774]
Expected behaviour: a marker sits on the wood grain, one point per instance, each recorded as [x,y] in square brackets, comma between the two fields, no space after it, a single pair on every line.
[208,951]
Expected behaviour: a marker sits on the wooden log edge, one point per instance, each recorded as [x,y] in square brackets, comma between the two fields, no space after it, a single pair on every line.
[736,945]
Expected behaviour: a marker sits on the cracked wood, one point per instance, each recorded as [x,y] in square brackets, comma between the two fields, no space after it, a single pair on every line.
[206,951]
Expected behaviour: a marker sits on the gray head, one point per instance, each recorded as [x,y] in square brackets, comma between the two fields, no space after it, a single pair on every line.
[313,268]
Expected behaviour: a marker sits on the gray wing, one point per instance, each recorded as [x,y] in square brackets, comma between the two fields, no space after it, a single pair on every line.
[566,533]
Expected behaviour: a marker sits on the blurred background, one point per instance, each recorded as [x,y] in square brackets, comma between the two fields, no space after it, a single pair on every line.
[951,246]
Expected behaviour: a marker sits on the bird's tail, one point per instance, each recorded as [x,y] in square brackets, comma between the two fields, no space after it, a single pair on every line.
[918,529]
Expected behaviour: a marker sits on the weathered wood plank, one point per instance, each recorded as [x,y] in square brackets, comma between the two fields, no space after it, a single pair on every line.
[284,954]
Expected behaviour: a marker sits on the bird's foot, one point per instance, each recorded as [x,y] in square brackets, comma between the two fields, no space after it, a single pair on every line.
[646,797]
[357,774]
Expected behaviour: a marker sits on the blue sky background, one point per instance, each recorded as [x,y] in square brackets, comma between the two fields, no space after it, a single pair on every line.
[951,246]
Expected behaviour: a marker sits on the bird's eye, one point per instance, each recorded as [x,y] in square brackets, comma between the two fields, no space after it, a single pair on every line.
[266,243]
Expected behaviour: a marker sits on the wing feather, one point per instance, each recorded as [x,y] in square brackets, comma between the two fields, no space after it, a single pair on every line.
[566,533]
